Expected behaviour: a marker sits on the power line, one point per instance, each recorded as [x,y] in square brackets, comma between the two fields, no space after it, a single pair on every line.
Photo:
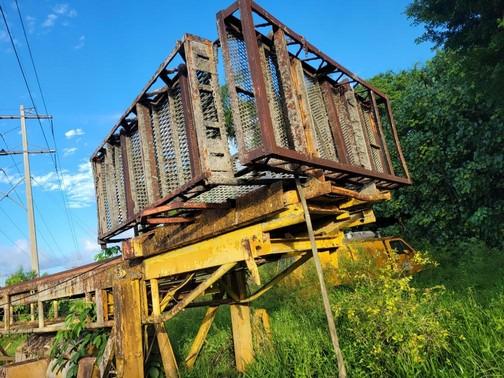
[56,158]
[31,57]
[11,38]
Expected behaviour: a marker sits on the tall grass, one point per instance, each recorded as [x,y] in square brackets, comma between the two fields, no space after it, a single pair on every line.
[447,321]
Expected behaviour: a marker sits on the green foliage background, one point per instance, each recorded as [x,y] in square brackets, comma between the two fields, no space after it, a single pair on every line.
[450,119]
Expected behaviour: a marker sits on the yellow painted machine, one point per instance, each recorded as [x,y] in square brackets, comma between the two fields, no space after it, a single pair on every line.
[367,246]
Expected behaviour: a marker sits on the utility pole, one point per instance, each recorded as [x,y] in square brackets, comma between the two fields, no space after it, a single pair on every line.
[27,177]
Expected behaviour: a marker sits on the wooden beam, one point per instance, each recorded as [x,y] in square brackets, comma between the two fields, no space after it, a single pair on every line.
[156,306]
[41,319]
[166,351]
[105,362]
[128,327]
[169,220]
[241,326]
[199,290]
[201,336]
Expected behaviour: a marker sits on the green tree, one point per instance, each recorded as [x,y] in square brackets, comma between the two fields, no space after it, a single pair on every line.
[450,116]
[107,253]
[473,29]
[19,276]
[452,138]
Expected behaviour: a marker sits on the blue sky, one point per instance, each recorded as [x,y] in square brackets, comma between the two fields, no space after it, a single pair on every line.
[93,57]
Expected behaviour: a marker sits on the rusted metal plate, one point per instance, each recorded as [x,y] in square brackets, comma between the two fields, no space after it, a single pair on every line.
[296,109]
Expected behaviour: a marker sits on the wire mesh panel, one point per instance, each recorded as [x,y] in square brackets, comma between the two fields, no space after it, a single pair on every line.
[293,104]
[170,145]
[110,188]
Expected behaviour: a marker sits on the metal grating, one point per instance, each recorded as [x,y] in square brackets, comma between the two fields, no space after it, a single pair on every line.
[283,136]
[323,135]
[224,193]
[137,169]
[249,124]
[290,119]
[183,146]
[370,130]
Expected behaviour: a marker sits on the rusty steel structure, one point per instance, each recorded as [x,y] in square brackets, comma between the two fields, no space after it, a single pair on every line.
[295,111]
[316,148]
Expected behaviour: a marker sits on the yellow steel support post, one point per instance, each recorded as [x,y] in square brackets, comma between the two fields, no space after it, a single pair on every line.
[201,336]
[156,306]
[166,351]
[128,328]
[240,322]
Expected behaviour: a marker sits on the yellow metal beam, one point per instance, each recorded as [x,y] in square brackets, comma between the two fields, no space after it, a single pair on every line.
[201,336]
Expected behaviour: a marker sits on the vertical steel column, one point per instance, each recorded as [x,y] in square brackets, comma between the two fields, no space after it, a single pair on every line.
[192,139]
[254,61]
[240,322]
[332,114]
[381,137]
[128,328]
[292,107]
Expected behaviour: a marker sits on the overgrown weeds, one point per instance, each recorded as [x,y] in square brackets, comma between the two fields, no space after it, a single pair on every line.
[447,321]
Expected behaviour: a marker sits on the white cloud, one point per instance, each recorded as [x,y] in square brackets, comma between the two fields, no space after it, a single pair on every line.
[3,36]
[61,8]
[19,257]
[74,132]
[80,43]
[59,11]
[78,186]
[31,22]
[90,246]
[50,20]
[67,151]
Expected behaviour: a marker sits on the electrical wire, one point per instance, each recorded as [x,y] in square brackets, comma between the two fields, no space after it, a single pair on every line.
[55,159]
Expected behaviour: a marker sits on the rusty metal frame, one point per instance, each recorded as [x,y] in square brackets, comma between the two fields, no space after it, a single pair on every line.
[120,200]
[300,158]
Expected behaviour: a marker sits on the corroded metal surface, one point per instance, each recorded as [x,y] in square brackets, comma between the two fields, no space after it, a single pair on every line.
[296,109]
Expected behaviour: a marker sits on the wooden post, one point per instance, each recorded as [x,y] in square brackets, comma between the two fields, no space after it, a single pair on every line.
[156,307]
[166,351]
[55,305]
[201,336]
[99,306]
[41,320]
[240,321]
[128,329]
[7,316]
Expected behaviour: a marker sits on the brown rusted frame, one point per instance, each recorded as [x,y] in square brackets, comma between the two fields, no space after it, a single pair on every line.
[200,180]
[192,139]
[183,206]
[159,73]
[396,137]
[199,177]
[334,122]
[151,158]
[381,134]
[59,277]
[258,82]
[269,149]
